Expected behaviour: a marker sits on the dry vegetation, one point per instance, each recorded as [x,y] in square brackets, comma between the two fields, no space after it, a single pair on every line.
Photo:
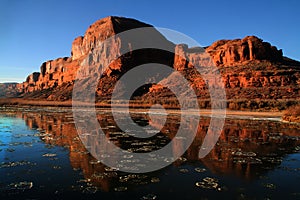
[292,114]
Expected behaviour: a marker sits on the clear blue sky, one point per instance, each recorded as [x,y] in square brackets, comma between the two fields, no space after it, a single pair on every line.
[34,31]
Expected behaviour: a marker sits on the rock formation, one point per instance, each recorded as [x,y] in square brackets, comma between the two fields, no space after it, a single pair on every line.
[250,67]
[233,52]
[59,75]
[258,73]
[9,89]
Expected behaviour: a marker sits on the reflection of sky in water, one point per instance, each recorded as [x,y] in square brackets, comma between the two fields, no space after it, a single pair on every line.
[7,125]
[23,157]
[12,131]
[14,136]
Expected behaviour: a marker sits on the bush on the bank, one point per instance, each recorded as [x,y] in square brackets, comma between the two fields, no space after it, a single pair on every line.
[292,114]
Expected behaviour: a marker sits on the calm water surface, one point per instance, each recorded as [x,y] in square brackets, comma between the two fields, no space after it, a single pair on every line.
[42,157]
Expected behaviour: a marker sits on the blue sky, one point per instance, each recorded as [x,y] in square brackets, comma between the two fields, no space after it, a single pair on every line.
[34,31]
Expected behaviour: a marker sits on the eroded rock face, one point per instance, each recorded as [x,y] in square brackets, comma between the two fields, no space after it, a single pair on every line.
[77,50]
[8,89]
[188,58]
[52,73]
[32,78]
[100,31]
[62,71]
[233,52]
[250,68]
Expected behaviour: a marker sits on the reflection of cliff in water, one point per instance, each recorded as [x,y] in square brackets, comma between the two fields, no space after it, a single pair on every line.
[246,148]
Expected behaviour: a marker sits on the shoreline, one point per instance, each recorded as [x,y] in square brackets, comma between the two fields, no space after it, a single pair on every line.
[18,102]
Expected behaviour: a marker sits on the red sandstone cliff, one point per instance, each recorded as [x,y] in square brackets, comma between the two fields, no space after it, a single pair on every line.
[252,71]
[56,77]
[239,51]
[251,68]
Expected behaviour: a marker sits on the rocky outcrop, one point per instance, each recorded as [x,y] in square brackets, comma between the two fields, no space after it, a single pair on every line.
[52,73]
[9,89]
[259,72]
[100,31]
[250,67]
[188,58]
[60,74]
[233,52]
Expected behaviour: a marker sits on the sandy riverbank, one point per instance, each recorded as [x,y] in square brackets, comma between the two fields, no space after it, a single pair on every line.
[137,108]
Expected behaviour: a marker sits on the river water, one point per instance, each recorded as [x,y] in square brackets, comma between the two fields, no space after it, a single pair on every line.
[42,157]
